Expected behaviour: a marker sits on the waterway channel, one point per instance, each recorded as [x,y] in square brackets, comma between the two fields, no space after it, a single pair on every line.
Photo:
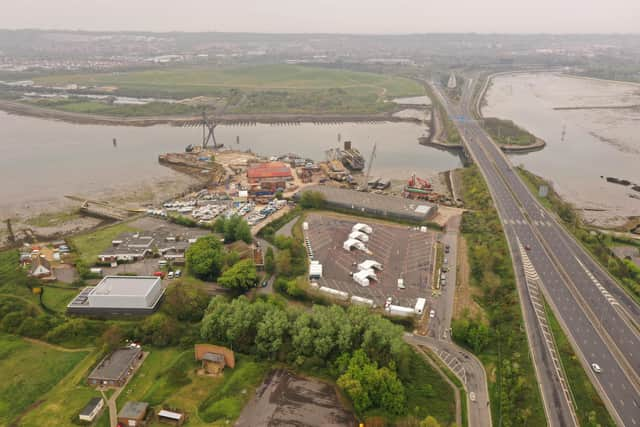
[583,145]
[42,160]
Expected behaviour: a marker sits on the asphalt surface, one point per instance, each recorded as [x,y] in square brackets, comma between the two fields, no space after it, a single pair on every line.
[596,313]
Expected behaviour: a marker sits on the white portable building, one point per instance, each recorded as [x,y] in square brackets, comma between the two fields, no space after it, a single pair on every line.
[334,293]
[370,264]
[362,227]
[315,270]
[361,301]
[361,280]
[363,237]
[420,303]
[398,310]
[353,243]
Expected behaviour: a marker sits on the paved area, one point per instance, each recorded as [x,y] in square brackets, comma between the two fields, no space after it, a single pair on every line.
[285,399]
[403,251]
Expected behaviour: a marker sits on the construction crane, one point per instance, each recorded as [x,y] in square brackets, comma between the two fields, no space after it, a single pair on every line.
[365,184]
[208,136]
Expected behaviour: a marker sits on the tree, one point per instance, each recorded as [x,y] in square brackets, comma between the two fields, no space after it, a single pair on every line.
[185,302]
[111,338]
[283,262]
[429,422]
[313,199]
[243,232]
[205,258]
[269,261]
[240,276]
[271,332]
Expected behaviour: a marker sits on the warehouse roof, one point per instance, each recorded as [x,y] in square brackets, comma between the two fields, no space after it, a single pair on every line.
[268,170]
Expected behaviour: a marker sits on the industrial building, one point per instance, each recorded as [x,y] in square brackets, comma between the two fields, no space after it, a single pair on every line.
[115,368]
[119,295]
[378,205]
[269,176]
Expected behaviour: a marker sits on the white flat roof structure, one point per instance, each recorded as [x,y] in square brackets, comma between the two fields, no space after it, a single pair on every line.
[126,292]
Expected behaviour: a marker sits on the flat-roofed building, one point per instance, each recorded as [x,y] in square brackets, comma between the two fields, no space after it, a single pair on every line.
[119,295]
[91,411]
[133,414]
[115,368]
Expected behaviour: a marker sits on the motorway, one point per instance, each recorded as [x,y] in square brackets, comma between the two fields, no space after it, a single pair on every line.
[600,319]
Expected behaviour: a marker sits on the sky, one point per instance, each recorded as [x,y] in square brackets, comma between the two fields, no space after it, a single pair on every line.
[327,16]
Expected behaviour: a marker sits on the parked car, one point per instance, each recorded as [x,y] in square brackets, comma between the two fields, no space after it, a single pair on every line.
[178,273]
[159,274]
[432,314]
[265,283]
[170,275]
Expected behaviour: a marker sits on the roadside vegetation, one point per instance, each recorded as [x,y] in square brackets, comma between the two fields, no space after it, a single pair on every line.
[599,244]
[243,89]
[363,352]
[506,132]
[589,407]
[450,134]
[502,344]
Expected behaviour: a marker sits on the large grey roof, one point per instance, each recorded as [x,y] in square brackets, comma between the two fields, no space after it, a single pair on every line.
[115,365]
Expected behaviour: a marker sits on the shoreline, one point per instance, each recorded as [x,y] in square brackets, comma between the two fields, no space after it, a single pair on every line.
[18,108]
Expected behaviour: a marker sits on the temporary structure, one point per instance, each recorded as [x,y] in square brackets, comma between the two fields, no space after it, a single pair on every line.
[370,264]
[363,237]
[362,227]
[353,243]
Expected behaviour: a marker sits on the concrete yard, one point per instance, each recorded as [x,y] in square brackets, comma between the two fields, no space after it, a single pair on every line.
[403,251]
[285,399]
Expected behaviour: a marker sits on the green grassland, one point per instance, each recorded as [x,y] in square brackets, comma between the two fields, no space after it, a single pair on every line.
[506,132]
[89,245]
[168,378]
[29,370]
[56,299]
[247,89]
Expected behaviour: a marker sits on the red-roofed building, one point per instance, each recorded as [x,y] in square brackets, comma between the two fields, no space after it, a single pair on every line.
[269,176]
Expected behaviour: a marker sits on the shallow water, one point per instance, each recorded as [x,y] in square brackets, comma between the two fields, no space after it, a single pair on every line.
[42,160]
[582,145]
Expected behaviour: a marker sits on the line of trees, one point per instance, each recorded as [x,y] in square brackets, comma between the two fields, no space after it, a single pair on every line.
[364,351]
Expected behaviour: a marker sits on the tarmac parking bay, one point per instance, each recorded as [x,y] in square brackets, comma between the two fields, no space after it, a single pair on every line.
[403,251]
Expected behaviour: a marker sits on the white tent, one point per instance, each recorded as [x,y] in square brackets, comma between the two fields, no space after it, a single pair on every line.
[362,227]
[365,275]
[361,279]
[359,235]
[370,265]
[353,243]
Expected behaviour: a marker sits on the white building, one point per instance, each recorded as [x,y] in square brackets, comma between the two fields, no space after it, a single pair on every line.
[119,295]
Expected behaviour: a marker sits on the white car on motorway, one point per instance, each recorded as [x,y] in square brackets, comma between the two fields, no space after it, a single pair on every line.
[596,368]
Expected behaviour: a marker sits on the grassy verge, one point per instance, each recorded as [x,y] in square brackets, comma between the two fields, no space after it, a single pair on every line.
[90,245]
[34,369]
[503,349]
[252,89]
[598,244]
[590,409]
[506,132]
[450,131]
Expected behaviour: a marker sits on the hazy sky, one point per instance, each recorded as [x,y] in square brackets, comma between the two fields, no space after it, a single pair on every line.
[342,16]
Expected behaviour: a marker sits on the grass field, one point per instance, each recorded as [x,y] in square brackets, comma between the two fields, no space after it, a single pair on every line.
[34,370]
[90,245]
[506,132]
[57,299]
[167,377]
[250,89]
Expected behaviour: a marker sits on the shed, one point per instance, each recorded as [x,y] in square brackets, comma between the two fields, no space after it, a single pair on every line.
[214,358]
[170,417]
[133,414]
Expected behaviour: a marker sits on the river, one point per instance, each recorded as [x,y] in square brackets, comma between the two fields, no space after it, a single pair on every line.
[42,160]
[582,144]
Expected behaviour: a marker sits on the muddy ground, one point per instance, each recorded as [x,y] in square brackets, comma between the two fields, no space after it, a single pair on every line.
[286,399]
